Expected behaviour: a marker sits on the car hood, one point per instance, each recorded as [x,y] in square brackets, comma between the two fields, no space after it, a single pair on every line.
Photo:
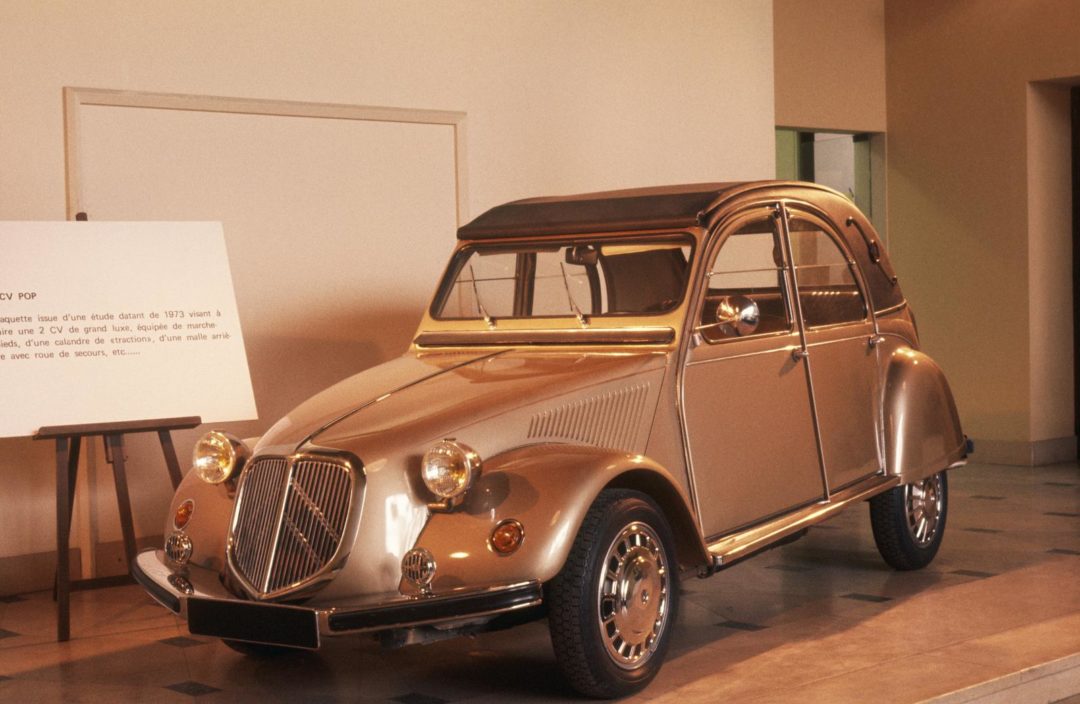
[434,394]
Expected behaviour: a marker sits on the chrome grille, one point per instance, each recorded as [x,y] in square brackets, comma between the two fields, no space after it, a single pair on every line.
[289,519]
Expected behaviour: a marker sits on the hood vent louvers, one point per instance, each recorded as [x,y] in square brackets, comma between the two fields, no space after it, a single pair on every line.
[610,419]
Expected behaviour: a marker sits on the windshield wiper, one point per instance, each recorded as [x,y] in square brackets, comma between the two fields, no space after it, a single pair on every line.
[479,305]
[573,306]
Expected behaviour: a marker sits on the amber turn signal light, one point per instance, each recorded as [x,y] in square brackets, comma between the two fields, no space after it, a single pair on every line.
[507,537]
[183,514]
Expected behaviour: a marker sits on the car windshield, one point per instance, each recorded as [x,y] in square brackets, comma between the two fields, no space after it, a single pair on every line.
[582,278]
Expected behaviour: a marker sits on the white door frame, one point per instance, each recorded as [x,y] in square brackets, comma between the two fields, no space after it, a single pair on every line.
[76,98]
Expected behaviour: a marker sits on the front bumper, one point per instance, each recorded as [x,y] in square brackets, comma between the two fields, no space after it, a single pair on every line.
[198,596]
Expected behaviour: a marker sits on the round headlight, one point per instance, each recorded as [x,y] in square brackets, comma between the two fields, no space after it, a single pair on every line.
[450,468]
[218,456]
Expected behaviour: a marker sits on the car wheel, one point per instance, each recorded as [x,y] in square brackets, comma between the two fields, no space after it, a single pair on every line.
[909,521]
[611,609]
[259,650]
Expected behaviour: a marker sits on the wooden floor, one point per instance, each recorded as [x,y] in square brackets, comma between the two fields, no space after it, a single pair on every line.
[996,618]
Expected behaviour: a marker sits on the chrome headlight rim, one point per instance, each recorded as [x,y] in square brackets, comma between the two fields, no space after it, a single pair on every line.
[450,483]
[218,457]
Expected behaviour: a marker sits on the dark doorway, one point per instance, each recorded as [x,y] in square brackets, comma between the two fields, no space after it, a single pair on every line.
[840,160]
[1075,95]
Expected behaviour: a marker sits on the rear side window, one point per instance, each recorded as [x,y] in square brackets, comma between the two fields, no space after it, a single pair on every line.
[828,291]
[873,262]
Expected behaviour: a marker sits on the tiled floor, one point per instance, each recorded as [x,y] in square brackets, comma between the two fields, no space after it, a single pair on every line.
[821,620]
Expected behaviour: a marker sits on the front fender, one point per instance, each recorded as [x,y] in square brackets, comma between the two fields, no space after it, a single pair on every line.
[208,526]
[922,427]
[548,488]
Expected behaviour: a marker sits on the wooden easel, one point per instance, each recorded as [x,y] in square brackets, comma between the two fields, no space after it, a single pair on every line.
[68,442]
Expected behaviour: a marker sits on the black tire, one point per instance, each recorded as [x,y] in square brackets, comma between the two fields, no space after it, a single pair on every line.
[260,650]
[909,521]
[624,532]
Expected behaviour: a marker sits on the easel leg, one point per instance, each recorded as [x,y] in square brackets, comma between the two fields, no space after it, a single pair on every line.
[123,501]
[73,472]
[170,457]
[67,464]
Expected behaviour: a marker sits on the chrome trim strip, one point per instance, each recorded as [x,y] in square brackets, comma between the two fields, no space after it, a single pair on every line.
[754,336]
[892,309]
[478,338]
[439,608]
[785,350]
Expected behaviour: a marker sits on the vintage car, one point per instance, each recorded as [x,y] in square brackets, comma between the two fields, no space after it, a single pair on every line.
[607,391]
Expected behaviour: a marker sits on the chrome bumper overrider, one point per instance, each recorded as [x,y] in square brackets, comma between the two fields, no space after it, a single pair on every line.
[198,597]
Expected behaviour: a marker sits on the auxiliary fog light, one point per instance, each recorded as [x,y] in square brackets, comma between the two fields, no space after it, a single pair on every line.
[507,537]
[178,548]
[418,568]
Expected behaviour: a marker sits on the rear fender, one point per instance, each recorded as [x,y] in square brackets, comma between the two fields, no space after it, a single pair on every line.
[922,427]
[547,488]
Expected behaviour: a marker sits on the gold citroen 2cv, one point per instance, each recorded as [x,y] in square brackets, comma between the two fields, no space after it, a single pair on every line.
[607,390]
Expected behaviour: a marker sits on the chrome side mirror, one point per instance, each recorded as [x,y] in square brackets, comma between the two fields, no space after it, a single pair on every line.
[737,315]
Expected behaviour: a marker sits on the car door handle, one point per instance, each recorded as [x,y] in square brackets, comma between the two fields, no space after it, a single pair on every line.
[875,340]
[799,353]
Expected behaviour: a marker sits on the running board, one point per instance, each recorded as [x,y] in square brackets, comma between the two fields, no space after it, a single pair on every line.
[729,550]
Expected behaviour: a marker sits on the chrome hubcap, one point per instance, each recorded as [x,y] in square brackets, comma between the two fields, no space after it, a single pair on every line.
[632,596]
[924,502]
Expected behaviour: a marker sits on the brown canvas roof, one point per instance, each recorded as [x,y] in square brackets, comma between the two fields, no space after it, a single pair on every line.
[609,211]
[671,207]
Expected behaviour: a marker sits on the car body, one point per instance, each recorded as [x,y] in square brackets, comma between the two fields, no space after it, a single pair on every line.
[608,390]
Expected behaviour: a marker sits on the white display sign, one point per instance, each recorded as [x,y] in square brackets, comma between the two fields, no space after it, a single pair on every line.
[118,321]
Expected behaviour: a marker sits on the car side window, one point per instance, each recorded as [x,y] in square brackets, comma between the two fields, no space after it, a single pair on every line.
[828,292]
[746,292]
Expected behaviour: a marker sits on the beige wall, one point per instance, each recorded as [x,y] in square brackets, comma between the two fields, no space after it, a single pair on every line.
[559,97]
[978,209]
[830,64]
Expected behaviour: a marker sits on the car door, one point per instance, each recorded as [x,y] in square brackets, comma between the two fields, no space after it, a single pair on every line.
[841,341]
[746,404]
